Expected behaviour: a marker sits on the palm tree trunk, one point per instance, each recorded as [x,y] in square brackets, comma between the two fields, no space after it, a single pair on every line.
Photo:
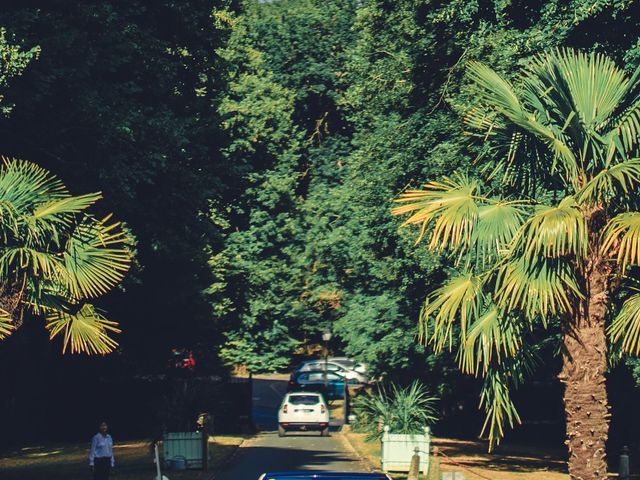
[583,375]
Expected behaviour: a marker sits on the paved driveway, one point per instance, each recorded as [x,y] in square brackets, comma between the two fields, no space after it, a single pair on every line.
[295,451]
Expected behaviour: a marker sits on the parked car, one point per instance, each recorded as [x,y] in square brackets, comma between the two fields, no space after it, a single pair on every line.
[316,365]
[303,411]
[323,476]
[350,364]
[314,381]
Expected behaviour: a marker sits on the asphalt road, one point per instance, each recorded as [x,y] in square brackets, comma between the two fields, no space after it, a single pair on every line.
[295,451]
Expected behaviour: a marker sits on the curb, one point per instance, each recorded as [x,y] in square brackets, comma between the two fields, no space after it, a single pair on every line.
[365,460]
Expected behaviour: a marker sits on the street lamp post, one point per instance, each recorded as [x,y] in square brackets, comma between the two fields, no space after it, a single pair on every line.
[326,337]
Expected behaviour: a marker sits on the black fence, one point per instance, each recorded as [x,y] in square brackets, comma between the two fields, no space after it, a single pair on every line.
[139,407]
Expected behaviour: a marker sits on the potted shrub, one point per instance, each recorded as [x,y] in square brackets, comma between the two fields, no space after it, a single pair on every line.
[400,418]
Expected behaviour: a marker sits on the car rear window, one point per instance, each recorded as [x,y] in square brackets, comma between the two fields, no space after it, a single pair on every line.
[304,399]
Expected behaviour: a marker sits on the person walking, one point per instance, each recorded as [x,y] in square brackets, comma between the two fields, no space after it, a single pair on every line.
[101,458]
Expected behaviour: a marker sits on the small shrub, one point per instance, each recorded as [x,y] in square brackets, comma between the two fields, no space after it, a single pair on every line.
[404,410]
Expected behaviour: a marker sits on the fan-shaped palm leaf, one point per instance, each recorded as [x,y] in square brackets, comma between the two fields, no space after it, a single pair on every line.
[26,185]
[95,258]
[621,177]
[83,332]
[451,205]
[625,328]
[54,256]
[496,227]
[536,289]
[595,85]
[6,324]
[498,94]
[458,300]
[625,130]
[500,410]
[621,238]
[554,232]
[493,336]
[17,261]
[54,216]
[495,396]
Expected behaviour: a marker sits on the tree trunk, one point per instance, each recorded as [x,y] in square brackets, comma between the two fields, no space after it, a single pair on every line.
[583,375]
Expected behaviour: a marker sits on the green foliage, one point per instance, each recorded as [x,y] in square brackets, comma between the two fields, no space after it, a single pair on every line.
[55,257]
[13,61]
[123,99]
[554,132]
[403,409]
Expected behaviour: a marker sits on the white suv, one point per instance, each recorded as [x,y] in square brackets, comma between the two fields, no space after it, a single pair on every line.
[303,411]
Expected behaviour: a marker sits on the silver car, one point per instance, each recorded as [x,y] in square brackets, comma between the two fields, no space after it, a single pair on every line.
[350,363]
[332,366]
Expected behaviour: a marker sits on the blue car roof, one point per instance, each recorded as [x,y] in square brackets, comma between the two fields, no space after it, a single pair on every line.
[321,475]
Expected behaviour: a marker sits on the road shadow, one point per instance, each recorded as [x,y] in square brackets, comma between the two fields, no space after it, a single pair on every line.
[257,459]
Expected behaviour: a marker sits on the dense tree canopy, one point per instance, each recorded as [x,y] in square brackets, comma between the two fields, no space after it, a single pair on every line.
[253,150]
[122,99]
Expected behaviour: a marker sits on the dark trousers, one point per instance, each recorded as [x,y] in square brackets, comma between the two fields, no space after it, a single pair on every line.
[101,468]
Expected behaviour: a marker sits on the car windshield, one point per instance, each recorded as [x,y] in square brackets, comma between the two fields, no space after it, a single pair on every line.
[304,399]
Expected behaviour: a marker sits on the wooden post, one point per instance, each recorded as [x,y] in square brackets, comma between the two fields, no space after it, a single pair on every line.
[345,407]
[205,449]
[434,465]
[414,469]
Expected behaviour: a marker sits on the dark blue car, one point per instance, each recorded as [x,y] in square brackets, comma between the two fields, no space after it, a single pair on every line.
[323,476]
[314,381]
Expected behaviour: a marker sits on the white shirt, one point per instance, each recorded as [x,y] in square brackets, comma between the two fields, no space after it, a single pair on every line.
[101,446]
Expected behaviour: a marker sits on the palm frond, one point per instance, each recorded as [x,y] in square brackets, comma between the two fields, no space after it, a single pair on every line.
[595,84]
[497,225]
[83,332]
[35,263]
[536,289]
[621,238]
[62,210]
[497,93]
[625,131]
[459,300]
[95,258]
[450,205]
[625,328]
[26,185]
[621,177]
[6,324]
[554,232]
[493,336]
[495,397]
[500,411]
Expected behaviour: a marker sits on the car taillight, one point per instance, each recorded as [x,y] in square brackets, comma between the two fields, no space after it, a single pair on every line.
[322,409]
[284,409]
[291,382]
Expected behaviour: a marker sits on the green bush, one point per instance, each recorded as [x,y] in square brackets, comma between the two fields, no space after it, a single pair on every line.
[404,410]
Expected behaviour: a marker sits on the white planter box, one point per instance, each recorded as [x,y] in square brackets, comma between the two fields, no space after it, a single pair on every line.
[397,450]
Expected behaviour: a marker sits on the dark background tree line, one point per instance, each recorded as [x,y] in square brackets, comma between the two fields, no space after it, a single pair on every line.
[253,149]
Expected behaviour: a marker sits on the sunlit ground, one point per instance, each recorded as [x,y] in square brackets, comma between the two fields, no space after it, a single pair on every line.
[134,460]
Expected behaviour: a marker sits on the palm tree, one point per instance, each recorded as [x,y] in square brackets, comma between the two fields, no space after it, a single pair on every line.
[55,258]
[548,236]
